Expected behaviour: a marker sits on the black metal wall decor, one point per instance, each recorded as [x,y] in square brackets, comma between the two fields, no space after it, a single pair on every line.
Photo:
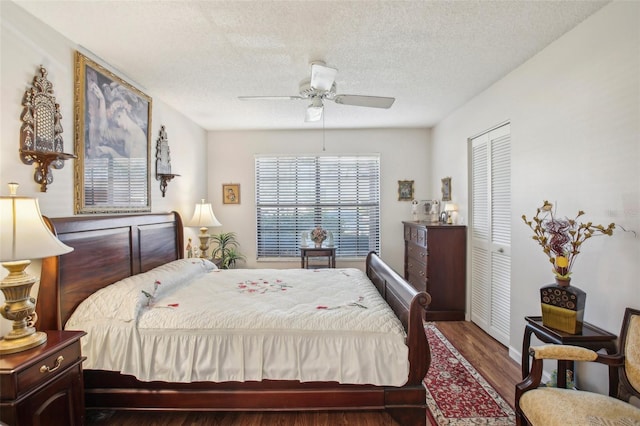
[41,132]
[163,161]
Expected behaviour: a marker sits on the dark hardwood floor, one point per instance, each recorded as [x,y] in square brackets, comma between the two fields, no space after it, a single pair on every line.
[489,357]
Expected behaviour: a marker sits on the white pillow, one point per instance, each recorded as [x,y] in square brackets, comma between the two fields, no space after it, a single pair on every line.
[123,299]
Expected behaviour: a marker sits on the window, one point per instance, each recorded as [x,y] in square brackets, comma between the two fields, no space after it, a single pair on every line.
[339,193]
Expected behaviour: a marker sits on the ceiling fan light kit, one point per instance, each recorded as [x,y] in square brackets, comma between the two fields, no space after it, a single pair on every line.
[321,87]
[314,111]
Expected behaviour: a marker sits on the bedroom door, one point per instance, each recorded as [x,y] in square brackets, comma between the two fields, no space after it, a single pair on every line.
[490,227]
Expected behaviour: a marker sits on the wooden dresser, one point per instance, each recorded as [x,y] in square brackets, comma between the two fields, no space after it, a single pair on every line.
[435,261]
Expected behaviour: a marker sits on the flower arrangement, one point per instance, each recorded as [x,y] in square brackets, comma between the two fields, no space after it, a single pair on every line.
[318,235]
[562,239]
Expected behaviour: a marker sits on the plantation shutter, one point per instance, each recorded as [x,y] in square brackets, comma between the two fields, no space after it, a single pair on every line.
[296,193]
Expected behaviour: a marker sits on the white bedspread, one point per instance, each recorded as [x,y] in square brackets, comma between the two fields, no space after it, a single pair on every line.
[194,323]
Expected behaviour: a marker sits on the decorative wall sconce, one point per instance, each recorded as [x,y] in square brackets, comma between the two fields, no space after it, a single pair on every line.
[163,161]
[41,131]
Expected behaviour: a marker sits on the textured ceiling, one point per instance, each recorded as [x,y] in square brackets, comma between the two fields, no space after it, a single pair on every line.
[199,56]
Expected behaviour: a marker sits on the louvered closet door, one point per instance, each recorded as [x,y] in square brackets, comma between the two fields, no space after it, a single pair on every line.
[491,232]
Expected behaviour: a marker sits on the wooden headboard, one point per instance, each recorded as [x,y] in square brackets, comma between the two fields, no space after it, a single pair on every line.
[106,249]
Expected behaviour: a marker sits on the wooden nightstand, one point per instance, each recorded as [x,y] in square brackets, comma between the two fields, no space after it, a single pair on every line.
[44,385]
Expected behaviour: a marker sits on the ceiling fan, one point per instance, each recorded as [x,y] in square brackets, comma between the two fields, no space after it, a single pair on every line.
[321,87]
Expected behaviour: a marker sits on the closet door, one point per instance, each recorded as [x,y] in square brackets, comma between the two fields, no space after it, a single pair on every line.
[491,231]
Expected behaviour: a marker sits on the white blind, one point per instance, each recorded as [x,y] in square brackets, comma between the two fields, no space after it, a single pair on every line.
[296,193]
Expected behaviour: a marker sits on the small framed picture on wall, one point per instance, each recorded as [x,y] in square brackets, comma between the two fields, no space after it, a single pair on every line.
[446,189]
[231,193]
[405,190]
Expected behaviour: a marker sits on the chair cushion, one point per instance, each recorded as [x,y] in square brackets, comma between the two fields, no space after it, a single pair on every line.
[632,352]
[577,408]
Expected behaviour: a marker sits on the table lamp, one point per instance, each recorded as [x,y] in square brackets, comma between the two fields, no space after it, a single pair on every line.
[24,236]
[450,208]
[203,217]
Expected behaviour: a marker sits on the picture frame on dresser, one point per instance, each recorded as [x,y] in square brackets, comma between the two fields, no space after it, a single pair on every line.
[112,142]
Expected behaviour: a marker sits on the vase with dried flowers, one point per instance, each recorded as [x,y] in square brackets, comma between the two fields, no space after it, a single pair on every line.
[318,235]
[561,240]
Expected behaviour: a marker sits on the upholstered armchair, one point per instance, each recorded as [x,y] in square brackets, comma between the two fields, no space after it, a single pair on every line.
[548,406]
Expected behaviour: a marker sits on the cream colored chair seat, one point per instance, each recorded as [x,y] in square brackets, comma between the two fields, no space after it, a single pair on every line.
[544,406]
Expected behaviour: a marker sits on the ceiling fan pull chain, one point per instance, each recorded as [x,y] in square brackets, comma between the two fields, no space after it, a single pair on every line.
[323,145]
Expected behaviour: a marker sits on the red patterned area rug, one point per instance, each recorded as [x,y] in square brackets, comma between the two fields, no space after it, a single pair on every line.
[456,393]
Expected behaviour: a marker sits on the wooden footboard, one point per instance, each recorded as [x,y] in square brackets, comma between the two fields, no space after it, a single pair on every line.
[112,247]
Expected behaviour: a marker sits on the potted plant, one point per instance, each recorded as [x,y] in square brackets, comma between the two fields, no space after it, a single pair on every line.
[226,253]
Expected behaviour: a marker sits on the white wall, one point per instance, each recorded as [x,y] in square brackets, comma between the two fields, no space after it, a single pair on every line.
[403,156]
[575,120]
[27,43]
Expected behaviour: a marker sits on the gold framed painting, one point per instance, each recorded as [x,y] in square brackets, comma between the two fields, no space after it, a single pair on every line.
[405,190]
[446,189]
[231,193]
[112,142]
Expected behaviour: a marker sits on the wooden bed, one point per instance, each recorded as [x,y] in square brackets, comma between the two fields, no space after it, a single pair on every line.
[110,248]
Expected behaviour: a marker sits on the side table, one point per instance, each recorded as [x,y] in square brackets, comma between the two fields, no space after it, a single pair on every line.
[307,252]
[592,337]
[44,385]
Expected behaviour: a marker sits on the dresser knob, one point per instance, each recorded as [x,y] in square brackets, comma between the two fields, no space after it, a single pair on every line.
[45,369]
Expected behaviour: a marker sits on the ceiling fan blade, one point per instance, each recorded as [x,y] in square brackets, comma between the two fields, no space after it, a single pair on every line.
[269,98]
[322,77]
[364,101]
[314,111]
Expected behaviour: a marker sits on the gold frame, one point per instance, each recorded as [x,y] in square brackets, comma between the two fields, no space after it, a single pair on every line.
[446,189]
[405,190]
[230,193]
[110,146]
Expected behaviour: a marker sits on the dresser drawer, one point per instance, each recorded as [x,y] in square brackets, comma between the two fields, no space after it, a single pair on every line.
[42,371]
[415,234]
[416,268]
[417,253]
[417,281]
[421,237]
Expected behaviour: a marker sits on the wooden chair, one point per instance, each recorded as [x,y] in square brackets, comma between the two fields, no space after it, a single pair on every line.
[552,406]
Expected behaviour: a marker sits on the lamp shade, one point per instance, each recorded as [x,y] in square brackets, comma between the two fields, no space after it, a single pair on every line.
[25,236]
[450,207]
[203,216]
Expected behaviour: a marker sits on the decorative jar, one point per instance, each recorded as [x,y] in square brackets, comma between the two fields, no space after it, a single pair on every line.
[563,306]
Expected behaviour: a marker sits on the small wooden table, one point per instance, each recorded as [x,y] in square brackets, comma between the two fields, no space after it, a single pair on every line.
[307,252]
[592,337]
[44,385]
